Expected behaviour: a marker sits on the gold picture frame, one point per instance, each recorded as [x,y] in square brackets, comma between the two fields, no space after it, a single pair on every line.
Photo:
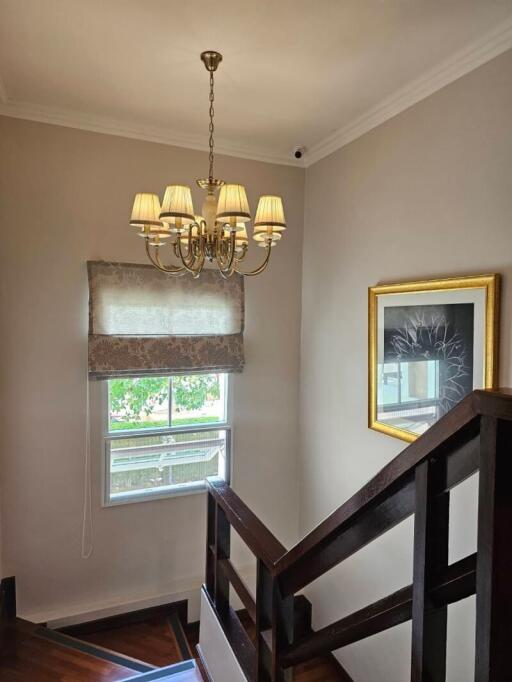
[445,295]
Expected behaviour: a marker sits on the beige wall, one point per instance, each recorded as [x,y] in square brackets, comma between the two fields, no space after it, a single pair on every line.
[427,194]
[65,198]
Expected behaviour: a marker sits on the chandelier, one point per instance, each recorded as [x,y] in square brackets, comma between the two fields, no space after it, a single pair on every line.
[219,234]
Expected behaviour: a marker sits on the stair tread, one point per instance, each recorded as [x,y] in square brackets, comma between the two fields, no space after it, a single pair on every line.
[25,656]
[152,641]
[93,649]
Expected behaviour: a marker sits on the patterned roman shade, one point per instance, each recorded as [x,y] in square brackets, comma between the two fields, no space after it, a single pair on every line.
[142,321]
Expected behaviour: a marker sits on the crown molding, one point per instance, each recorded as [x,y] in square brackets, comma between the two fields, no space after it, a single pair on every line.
[491,45]
[112,126]
[460,63]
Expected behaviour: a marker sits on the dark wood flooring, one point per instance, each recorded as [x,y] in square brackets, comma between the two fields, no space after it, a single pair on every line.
[25,657]
[152,641]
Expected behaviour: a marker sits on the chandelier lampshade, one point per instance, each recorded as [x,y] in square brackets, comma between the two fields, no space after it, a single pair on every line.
[233,206]
[146,210]
[218,235]
[177,208]
[269,221]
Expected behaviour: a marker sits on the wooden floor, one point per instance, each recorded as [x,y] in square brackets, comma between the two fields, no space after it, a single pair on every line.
[152,641]
[25,657]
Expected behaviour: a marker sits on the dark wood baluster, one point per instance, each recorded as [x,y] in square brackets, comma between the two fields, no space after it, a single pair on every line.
[494,553]
[222,551]
[210,545]
[431,522]
[263,623]
[283,616]
[274,627]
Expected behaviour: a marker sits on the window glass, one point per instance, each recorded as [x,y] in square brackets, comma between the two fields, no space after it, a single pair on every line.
[165,463]
[160,439]
[198,399]
[138,403]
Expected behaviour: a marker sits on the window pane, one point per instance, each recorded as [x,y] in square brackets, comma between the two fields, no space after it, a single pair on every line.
[198,399]
[138,403]
[166,463]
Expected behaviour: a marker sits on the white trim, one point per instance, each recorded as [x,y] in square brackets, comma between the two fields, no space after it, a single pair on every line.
[479,52]
[462,62]
[75,614]
[111,126]
[164,492]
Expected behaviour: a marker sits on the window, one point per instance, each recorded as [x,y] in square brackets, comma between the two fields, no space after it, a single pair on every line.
[165,435]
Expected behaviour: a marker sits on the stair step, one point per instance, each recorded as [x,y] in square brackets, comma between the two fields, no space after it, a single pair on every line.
[94,650]
[178,672]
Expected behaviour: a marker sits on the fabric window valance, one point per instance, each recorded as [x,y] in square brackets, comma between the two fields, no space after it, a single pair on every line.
[142,321]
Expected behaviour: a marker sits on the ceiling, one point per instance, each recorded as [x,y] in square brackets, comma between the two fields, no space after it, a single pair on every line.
[315,73]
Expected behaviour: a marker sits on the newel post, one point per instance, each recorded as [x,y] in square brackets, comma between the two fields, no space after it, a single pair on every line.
[494,553]
[274,627]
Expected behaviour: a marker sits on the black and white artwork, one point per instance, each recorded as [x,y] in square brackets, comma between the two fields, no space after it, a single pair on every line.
[432,342]
[427,363]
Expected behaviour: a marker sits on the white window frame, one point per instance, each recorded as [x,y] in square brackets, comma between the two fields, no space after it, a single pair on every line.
[179,489]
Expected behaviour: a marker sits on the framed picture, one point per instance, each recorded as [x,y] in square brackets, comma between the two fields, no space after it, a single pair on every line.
[430,344]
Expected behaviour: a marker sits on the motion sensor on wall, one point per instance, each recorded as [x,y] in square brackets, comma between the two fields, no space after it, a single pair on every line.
[298,152]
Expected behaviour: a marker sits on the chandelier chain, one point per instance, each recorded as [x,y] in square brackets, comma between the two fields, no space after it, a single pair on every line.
[211,127]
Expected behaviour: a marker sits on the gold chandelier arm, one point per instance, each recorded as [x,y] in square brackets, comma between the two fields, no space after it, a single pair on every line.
[226,266]
[155,260]
[196,264]
[189,258]
[242,255]
[260,268]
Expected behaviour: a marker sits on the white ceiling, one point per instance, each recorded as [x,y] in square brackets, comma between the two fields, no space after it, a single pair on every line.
[316,73]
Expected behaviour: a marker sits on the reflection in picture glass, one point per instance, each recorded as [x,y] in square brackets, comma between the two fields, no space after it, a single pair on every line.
[427,364]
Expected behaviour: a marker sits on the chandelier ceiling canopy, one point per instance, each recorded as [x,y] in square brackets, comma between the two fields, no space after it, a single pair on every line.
[219,234]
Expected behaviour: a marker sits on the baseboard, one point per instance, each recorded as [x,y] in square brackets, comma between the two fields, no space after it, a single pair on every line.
[77,614]
[129,618]
[64,615]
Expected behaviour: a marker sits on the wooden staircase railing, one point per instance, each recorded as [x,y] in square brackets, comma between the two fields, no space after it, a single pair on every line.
[475,435]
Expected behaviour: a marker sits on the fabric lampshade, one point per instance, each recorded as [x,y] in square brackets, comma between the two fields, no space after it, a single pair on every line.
[177,208]
[233,206]
[269,219]
[146,210]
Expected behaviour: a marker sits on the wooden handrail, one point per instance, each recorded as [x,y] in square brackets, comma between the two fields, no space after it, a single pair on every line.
[262,543]
[400,467]
[475,435]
